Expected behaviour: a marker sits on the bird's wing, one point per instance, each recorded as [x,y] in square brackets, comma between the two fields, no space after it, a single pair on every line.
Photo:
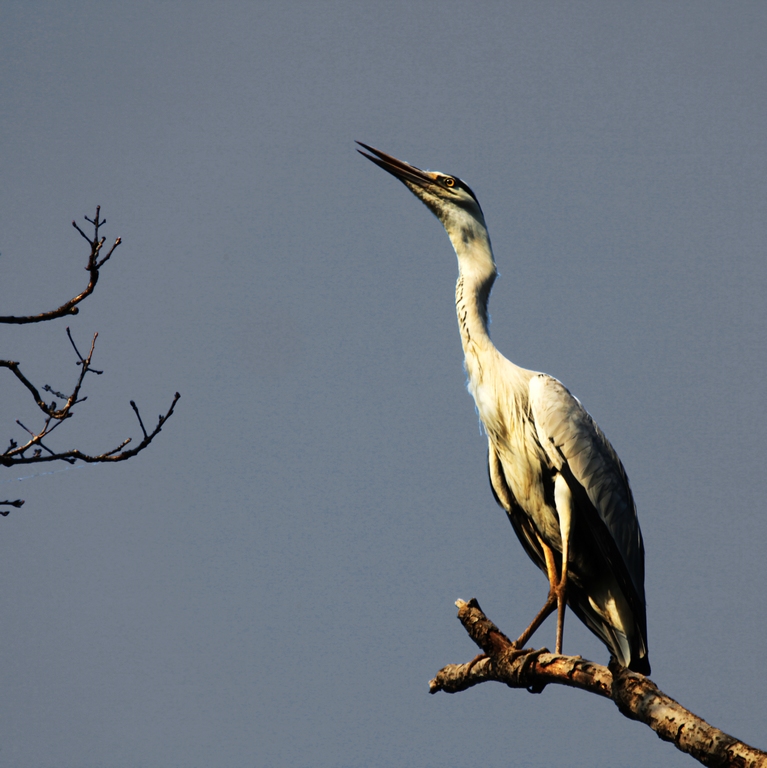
[580,451]
[520,521]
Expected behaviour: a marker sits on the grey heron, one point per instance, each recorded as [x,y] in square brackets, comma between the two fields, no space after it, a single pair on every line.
[551,468]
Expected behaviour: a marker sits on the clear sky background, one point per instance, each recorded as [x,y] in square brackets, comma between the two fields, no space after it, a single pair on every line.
[272,583]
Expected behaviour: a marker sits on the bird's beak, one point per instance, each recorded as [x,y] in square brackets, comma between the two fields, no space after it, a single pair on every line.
[398,168]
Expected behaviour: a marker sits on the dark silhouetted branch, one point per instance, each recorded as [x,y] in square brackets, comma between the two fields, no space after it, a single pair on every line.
[93,267]
[16,453]
[5,512]
[635,695]
[34,450]
[54,413]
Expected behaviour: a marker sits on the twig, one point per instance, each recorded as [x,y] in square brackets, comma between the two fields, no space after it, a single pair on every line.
[16,455]
[31,452]
[5,512]
[37,438]
[94,265]
[50,410]
[138,416]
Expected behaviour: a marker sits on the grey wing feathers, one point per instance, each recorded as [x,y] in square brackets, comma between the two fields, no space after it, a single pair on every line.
[573,441]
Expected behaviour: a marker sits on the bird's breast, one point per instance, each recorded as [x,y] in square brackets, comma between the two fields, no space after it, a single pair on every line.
[503,407]
[530,478]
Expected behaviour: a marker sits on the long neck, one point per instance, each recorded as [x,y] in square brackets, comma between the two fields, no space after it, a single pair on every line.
[476,275]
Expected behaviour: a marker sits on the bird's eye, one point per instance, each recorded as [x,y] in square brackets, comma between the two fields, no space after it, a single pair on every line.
[448,182]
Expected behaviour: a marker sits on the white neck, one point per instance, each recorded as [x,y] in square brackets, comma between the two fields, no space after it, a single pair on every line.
[476,275]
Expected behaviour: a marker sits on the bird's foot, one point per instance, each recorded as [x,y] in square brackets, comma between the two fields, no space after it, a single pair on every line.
[530,657]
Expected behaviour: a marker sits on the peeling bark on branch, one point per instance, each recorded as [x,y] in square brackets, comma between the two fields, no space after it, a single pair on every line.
[635,695]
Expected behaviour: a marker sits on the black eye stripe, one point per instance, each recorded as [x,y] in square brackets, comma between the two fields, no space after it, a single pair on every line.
[454,183]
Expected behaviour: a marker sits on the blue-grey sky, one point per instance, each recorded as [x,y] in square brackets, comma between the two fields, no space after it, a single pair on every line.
[272,583]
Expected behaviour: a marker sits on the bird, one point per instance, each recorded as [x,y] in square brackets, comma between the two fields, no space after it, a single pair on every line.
[551,468]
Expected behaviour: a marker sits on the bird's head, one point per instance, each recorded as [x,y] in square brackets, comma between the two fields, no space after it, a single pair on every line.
[449,198]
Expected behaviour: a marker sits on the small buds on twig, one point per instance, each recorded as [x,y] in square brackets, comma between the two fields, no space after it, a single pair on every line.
[34,450]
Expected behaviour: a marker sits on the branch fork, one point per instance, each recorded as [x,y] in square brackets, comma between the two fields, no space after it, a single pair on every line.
[34,450]
[636,696]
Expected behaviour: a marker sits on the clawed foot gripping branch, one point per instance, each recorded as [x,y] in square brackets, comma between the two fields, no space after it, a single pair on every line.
[636,696]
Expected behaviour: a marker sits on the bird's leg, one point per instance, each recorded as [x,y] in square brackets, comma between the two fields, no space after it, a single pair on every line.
[564,504]
[560,589]
[551,600]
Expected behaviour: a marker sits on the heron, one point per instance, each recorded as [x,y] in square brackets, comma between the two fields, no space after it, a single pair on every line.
[551,468]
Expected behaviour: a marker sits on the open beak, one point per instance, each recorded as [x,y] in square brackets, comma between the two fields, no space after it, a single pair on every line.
[398,168]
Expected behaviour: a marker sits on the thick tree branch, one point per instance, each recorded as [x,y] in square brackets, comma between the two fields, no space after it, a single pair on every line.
[636,696]
[94,265]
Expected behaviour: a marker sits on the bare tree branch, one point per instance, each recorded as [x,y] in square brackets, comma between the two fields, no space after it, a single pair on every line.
[34,450]
[635,695]
[58,414]
[5,512]
[94,265]
[15,454]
